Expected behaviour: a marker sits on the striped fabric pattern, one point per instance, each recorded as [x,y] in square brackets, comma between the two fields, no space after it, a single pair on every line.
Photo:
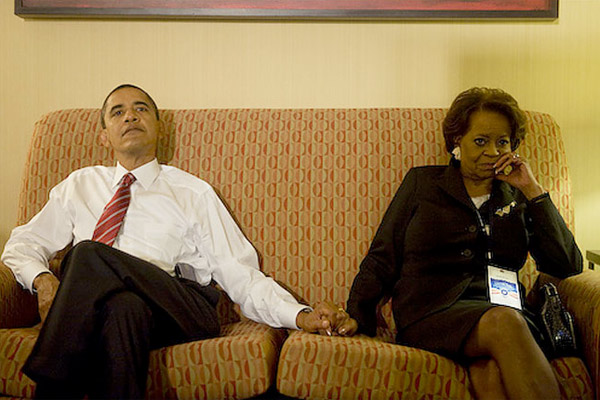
[110,221]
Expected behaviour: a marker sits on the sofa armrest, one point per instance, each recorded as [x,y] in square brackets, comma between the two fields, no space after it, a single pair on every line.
[581,296]
[18,307]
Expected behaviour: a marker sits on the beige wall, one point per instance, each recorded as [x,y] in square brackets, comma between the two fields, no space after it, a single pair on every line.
[549,66]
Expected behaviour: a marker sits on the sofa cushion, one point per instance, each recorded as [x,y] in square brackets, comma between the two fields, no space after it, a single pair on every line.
[239,364]
[15,346]
[573,378]
[360,367]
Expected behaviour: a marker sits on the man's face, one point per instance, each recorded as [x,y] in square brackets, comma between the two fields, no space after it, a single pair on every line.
[132,129]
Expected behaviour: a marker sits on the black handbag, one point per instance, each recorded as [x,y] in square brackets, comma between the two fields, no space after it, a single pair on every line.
[557,323]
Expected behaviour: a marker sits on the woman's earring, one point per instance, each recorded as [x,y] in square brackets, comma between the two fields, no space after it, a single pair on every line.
[456,153]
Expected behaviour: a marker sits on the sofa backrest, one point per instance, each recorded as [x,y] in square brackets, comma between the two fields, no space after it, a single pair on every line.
[308,186]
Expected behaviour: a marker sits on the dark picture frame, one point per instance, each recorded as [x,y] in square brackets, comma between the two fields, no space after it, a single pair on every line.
[292,9]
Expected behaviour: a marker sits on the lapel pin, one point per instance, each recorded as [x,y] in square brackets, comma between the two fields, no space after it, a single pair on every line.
[506,209]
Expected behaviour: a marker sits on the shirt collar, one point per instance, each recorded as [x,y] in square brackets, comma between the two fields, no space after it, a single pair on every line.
[145,175]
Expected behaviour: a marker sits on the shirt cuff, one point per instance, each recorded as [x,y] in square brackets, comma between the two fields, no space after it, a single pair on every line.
[29,273]
[289,312]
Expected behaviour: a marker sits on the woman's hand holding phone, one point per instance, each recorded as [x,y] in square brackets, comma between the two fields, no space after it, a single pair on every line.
[514,170]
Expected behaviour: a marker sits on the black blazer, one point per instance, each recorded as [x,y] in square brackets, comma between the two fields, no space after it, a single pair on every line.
[429,246]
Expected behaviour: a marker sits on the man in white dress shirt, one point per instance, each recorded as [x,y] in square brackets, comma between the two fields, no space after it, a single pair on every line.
[116,303]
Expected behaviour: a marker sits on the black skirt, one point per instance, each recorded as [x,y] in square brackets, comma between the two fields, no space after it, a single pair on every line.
[445,332]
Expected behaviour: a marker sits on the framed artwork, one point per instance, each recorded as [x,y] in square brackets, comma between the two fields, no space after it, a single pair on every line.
[291,9]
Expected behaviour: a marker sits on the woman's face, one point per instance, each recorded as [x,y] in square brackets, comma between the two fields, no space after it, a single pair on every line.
[487,138]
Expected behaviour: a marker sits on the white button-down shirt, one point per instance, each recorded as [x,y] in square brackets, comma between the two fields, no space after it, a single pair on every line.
[174,217]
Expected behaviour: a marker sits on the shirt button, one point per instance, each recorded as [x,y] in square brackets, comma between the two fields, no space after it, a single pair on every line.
[472,229]
[467,253]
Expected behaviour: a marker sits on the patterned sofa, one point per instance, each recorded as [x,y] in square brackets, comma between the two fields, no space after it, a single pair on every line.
[309,188]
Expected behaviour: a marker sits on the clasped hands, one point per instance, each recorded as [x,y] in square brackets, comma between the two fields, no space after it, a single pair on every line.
[327,319]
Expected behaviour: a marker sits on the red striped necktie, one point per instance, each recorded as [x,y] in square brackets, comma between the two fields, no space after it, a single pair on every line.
[110,221]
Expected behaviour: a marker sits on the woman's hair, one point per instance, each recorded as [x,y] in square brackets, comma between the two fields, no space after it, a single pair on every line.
[456,123]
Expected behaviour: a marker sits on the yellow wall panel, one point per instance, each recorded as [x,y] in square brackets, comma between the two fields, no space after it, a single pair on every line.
[548,66]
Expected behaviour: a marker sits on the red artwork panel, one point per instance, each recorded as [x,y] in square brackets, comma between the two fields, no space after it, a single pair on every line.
[397,8]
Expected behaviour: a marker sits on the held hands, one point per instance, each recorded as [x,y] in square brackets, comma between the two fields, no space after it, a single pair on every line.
[514,170]
[46,285]
[327,319]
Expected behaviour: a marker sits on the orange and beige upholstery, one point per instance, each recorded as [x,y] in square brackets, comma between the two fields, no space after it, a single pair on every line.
[309,188]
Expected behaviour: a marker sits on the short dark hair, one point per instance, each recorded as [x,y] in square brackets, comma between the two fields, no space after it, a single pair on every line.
[126,85]
[457,120]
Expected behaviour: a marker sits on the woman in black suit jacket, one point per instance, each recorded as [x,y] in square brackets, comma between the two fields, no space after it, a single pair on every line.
[445,225]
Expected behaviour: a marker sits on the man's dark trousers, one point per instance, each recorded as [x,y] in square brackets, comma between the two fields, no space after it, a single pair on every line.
[110,310]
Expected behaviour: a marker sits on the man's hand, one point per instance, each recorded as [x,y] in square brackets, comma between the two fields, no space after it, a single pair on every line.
[313,322]
[327,319]
[46,286]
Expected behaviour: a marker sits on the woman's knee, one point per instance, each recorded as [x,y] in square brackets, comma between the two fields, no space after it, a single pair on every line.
[502,321]
[499,328]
